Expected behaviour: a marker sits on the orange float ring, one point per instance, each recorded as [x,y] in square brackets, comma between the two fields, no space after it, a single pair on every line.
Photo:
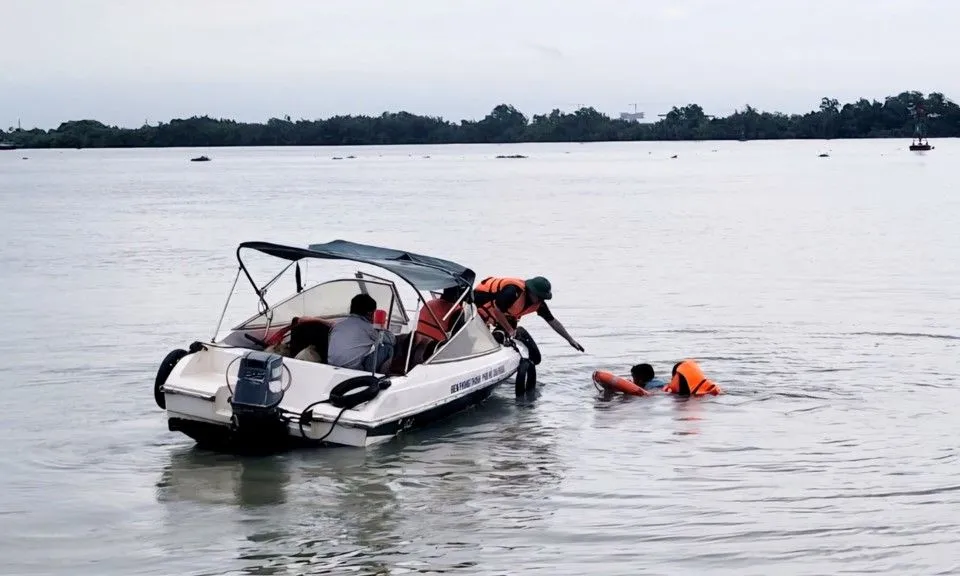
[613,383]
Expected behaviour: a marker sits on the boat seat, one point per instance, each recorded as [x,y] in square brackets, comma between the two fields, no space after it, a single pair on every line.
[306,331]
[400,346]
[400,352]
[429,348]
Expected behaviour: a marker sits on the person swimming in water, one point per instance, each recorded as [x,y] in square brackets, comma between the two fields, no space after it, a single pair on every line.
[644,377]
[686,379]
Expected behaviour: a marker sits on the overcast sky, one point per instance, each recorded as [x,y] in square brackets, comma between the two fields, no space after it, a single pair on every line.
[126,61]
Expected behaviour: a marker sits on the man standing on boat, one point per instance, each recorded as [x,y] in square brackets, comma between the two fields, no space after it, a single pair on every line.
[504,301]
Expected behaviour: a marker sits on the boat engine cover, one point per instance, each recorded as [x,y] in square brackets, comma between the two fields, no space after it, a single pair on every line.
[259,381]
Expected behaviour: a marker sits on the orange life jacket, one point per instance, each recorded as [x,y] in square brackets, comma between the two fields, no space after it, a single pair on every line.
[426,324]
[697,383]
[517,310]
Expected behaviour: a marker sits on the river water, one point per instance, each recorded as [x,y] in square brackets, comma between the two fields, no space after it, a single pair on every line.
[821,293]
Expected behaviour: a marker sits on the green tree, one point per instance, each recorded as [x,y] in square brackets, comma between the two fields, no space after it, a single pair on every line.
[895,116]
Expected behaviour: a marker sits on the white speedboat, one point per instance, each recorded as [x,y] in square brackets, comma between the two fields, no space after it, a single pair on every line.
[245,390]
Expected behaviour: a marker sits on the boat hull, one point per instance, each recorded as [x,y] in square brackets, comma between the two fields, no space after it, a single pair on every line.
[224,438]
[197,400]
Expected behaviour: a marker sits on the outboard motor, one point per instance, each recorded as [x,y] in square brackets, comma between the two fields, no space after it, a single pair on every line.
[256,398]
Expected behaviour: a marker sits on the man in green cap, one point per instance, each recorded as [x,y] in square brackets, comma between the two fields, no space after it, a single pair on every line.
[504,301]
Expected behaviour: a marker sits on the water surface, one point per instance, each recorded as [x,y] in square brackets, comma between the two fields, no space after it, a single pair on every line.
[821,293]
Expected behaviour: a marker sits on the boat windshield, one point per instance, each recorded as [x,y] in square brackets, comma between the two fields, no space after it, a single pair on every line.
[331,300]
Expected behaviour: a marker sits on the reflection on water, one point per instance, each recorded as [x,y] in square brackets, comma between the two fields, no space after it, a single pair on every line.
[211,478]
[821,297]
[331,509]
[689,412]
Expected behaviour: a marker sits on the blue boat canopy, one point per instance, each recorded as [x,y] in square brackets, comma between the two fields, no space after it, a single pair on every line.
[423,272]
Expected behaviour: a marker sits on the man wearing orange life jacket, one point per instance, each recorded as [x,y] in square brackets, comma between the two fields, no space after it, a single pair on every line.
[688,380]
[434,311]
[504,301]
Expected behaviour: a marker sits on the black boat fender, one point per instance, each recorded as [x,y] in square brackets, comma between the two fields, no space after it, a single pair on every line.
[355,391]
[166,367]
[341,397]
[533,351]
[526,377]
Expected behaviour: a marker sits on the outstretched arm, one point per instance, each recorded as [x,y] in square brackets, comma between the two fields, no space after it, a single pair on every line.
[559,329]
[544,312]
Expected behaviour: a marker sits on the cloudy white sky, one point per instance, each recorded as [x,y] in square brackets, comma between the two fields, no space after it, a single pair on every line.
[125,61]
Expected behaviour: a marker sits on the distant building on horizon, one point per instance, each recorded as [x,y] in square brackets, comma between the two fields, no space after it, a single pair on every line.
[632,116]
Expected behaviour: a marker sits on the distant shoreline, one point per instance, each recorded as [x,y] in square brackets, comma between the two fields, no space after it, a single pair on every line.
[199,148]
[901,116]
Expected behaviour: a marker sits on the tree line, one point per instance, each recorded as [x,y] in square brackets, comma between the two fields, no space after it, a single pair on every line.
[896,117]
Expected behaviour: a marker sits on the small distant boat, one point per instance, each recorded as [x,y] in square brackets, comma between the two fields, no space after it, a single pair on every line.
[7,146]
[200,159]
[511,156]
[920,144]
[823,155]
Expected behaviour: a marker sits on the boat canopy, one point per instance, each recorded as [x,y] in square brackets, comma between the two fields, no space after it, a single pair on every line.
[423,272]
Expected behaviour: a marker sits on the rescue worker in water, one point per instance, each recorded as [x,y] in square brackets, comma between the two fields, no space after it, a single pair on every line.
[504,301]
[688,380]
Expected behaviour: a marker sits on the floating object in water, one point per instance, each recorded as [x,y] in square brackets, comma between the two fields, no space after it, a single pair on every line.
[350,157]
[920,142]
[337,158]
[613,383]
[200,159]
[824,155]
[674,156]
[511,156]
